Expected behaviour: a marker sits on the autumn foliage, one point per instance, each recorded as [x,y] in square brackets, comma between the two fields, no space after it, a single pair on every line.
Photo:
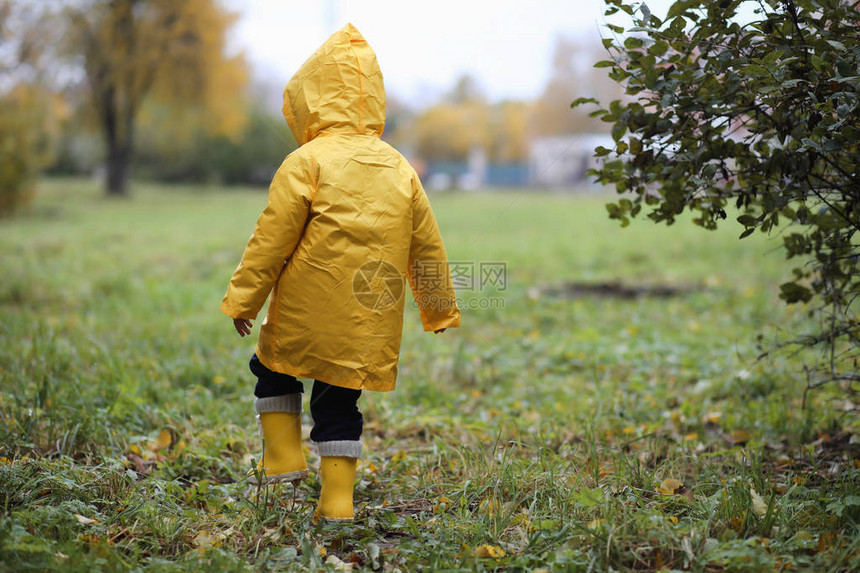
[160,50]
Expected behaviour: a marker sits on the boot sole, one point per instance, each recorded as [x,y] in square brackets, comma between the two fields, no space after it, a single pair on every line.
[322,520]
[289,476]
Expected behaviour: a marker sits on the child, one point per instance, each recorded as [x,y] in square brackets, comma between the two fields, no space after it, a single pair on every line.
[346,220]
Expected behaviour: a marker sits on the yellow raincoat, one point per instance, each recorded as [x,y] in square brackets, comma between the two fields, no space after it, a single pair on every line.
[346,221]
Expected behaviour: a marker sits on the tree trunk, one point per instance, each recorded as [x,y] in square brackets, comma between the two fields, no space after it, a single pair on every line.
[118,129]
[117,170]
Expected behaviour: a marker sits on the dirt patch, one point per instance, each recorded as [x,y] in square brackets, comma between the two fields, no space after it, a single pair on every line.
[573,290]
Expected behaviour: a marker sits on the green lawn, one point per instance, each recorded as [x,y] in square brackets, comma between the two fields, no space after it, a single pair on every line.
[544,433]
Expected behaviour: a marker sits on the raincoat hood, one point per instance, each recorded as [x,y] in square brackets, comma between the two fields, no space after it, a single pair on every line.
[338,89]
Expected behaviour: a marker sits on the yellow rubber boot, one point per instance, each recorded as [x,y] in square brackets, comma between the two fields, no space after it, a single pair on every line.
[283,459]
[337,474]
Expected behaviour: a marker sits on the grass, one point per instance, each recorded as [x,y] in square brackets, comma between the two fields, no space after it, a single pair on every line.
[549,432]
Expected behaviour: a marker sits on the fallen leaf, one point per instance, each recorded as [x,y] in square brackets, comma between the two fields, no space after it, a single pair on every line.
[489,551]
[487,506]
[338,563]
[670,486]
[443,504]
[373,554]
[163,440]
[740,437]
[713,417]
[140,465]
[85,520]
[595,523]
[826,541]
[758,504]
[204,540]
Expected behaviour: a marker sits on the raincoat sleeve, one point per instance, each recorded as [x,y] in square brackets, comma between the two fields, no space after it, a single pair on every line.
[428,271]
[275,237]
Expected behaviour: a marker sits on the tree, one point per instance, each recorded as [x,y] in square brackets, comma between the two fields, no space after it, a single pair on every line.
[449,130]
[29,111]
[200,156]
[761,115]
[161,49]
[509,132]
[572,77]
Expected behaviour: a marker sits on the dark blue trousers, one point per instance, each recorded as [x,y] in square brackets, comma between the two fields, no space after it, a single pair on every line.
[333,409]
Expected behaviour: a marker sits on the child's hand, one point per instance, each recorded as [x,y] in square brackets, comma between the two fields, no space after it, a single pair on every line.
[242,326]
[440,331]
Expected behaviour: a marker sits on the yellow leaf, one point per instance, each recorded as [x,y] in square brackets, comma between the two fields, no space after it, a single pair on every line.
[692,436]
[85,520]
[398,456]
[740,437]
[90,538]
[442,505]
[670,486]
[134,448]
[163,440]
[673,519]
[321,550]
[488,506]
[826,541]
[713,417]
[595,523]
[204,540]
[489,551]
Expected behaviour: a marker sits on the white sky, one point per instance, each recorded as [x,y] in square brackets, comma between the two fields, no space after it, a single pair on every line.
[423,47]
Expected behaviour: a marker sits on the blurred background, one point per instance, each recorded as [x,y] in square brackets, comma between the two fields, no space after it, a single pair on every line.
[478,93]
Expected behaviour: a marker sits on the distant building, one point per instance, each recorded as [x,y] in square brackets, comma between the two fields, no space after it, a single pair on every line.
[562,161]
[557,162]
